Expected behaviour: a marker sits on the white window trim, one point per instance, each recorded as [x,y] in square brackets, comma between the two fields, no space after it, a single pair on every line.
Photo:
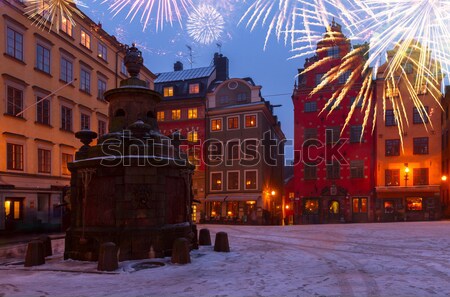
[239,122]
[256,119]
[221,178]
[210,124]
[239,178]
[245,179]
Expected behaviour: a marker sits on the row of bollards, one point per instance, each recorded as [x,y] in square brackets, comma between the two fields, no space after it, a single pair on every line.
[108,259]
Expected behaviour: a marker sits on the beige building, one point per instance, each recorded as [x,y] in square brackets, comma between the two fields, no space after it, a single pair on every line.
[408,178]
[51,86]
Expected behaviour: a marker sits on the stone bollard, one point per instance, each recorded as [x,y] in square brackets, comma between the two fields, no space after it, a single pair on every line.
[107,258]
[35,253]
[221,243]
[180,251]
[46,240]
[204,237]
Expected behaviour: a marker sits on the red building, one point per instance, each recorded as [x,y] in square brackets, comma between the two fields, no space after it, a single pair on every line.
[333,173]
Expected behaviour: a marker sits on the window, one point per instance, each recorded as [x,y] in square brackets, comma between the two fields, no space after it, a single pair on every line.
[85,81]
[357,169]
[14,208]
[43,111]
[101,88]
[416,115]
[215,151]
[332,134]
[250,121]
[216,125]
[123,68]
[192,136]
[223,100]
[233,149]
[420,176]
[14,101]
[319,78]
[241,97]
[176,114]
[14,44]
[344,77]
[192,113]
[160,116]
[194,88]
[168,91]
[66,26]
[392,147]
[332,103]
[66,118]
[310,171]
[85,122]
[311,106]
[43,8]
[233,180]
[14,156]
[389,118]
[359,205]
[43,58]
[334,170]
[233,123]
[310,133]
[420,146]
[66,74]
[66,159]
[311,206]
[102,51]
[388,207]
[101,128]
[250,180]
[391,91]
[414,204]
[355,134]
[333,51]
[216,181]
[359,104]
[392,177]
[85,39]
[44,161]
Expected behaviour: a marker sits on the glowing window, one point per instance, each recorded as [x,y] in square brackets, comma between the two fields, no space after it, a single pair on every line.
[250,121]
[194,88]
[168,91]
[216,125]
[414,204]
[192,113]
[85,39]
[176,114]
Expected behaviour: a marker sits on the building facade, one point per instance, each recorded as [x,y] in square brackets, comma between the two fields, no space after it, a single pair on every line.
[333,171]
[445,141]
[183,110]
[408,176]
[244,156]
[52,84]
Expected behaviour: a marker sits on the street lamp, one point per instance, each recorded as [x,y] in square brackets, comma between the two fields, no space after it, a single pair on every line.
[406,174]
[444,178]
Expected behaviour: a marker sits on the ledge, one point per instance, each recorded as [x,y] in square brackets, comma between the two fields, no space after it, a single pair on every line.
[14,58]
[14,117]
[43,72]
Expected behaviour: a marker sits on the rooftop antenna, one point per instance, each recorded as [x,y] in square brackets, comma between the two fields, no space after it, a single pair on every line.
[190,55]
[219,46]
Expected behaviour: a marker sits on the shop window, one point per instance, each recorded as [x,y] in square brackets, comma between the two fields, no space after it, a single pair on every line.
[250,180]
[216,209]
[414,204]
[232,209]
[14,208]
[388,207]
[311,206]
[334,207]
[359,205]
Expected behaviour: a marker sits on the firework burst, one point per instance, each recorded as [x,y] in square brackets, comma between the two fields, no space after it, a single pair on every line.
[205,25]
[51,12]
[166,10]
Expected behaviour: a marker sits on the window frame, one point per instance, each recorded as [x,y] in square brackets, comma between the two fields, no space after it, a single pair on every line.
[394,144]
[389,118]
[234,121]
[64,163]
[246,187]
[194,88]
[102,51]
[85,121]
[356,169]
[310,106]
[421,146]
[14,164]
[66,25]
[176,114]
[44,159]
[416,116]
[86,39]
[168,91]
[85,80]
[66,123]
[64,74]
[211,174]
[43,61]
[216,125]
[394,175]
[40,109]
[193,113]
[16,49]
[420,174]
[247,124]
[238,188]
[12,101]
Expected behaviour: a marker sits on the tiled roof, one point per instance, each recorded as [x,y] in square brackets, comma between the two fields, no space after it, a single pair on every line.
[184,74]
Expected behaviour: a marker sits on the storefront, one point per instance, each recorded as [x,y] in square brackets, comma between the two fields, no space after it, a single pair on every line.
[234,209]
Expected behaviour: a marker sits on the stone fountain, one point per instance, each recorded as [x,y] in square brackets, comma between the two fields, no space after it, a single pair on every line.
[132,188]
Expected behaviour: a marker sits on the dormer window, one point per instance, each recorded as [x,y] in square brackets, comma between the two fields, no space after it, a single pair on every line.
[168,91]
[194,88]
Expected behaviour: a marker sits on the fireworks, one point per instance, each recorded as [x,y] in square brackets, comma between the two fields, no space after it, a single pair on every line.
[205,25]
[51,12]
[166,10]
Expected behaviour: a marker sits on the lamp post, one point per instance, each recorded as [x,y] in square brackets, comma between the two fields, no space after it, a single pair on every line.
[406,174]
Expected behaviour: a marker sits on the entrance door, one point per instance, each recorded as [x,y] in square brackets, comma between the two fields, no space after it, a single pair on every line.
[360,207]
[13,212]
[334,211]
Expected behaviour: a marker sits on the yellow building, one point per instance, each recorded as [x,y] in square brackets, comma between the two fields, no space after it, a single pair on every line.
[408,177]
[51,85]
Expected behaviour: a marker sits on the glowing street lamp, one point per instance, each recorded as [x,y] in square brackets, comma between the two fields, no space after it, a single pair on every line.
[444,178]
[406,174]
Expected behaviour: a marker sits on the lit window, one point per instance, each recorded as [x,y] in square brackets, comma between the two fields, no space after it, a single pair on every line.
[14,101]
[14,44]
[311,206]
[44,161]
[85,122]
[391,91]
[66,159]
[66,26]
[420,176]
[388,207]
[160,116]
[233,123]
[194,88]
[392,177]
[192,136]
[85,39]
[414,204]
[14,156]
[43,58]
[250,121]
[102,51]
[176,114]
[168,91]
[216,181]
[359,205]
[216,125]
[192,113]
[250,180]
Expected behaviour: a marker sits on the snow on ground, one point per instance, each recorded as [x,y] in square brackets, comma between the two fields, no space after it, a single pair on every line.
[390,259]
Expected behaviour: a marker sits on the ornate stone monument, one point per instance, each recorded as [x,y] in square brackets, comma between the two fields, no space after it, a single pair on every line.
[132,188]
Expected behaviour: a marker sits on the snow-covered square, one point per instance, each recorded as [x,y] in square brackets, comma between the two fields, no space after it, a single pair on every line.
[386,259]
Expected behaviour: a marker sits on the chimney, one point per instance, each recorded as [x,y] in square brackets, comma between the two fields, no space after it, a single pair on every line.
[221,64]
[178,66]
